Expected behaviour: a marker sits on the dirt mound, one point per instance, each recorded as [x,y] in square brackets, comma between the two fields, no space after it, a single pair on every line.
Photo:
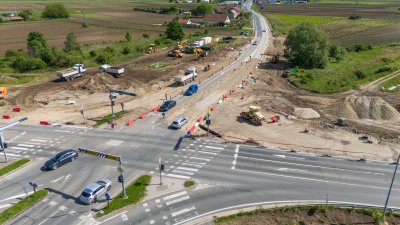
[6,78]
[306,113]
[100,82]
[364,107]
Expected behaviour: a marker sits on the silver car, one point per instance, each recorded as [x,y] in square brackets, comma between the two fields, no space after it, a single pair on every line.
[179,122]
[94,191]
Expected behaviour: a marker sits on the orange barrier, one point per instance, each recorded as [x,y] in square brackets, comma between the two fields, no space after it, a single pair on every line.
[233,90]
[130,122]
[144,115]
[44,123]
[200,119]
[212,108]
[16,109]
[155,109]
[6,117]
[192,129]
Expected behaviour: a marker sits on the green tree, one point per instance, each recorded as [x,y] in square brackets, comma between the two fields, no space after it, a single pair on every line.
[26,64]
[1,19]
[307,46]
[54,11]
[104,58]
[128,37]
[174,30]
[202,9]
[336,52]
[70,43]
[37,46]
[26,14]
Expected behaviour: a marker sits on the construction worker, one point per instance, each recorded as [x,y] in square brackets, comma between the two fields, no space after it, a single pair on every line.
[166,96]
[163,115]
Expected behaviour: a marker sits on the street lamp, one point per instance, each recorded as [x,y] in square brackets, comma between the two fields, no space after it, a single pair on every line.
[390,189]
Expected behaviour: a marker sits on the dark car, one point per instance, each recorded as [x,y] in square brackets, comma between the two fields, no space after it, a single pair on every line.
[167,105]
[192,89]
[61,159]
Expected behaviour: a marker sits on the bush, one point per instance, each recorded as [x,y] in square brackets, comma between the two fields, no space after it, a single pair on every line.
[189,183]
[126,50]
[26,14]
[73,58]
[109,49]
[54,11]
[1,19]
[139,48]
[146,35]
[353,17]
[92,53]
[10,53]
[104,58]
[360,74]
[384,68]
[27,64]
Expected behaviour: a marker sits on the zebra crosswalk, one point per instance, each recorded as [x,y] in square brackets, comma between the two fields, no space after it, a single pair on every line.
[33,146]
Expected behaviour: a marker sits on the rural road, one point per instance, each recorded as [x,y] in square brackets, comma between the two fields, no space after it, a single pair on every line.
[229,175]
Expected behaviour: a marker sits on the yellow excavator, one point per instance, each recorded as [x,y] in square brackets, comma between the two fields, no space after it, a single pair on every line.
[253,115]
[199,53]
[180,45]
[151,49]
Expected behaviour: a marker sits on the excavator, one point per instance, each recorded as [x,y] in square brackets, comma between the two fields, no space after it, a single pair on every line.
[199,53]
[253,115]
[180,45]
[175,54]
[151,49]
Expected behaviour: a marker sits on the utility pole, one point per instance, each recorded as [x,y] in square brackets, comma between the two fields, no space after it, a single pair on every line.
[84,17]
[3,144]
[112,98]
[390,189]
[122,178]
[355,9]
[161,167]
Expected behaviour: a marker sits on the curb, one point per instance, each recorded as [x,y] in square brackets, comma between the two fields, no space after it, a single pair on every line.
[16,169]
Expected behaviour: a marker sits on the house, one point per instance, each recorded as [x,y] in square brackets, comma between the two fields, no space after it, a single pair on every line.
[216,19]
[13,19]
[9,14]
[188,23]
[232,13]
[187,13]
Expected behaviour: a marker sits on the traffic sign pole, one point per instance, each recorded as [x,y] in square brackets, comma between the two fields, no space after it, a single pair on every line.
[123,186]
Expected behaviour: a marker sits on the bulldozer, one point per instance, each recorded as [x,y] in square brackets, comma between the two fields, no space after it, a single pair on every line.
[253,115]
[207,67]
[151,49]
[175,54]
[199,53]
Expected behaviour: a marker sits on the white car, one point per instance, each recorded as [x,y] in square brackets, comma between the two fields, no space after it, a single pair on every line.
[179,122]
[94,191]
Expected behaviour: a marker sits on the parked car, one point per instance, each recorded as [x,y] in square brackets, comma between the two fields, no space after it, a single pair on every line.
[179,122]
[192,89]
[255,43]
[244,33]
[264,30]
[95,190]
[61,158]
[167,105]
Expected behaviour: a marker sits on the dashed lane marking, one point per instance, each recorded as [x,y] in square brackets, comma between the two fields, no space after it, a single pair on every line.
[178,200]
[182,211]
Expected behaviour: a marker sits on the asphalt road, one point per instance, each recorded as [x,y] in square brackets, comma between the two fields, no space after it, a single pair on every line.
[228,175]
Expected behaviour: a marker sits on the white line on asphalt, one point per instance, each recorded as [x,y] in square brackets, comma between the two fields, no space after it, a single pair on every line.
[212,147]
[5,206]
[52,203]
[290,157]
[72,212]
[38,140]
[191,164]
[147,210]
[55,180]
[33,143]
[23,133]
[177,176]
[210,153]
[152,221]
[174,195]
[177,200]
[119,214]
[49,217]
[62,208]
[19,148]
[145,204]
[185,168]
[13,155]
[24,145]
[183,172]
[317,180]
[13,151]
[294,170]
[205,159]
[197,163]
[124,217]
[235,156]
[183,211]
[305,165]
[65,131]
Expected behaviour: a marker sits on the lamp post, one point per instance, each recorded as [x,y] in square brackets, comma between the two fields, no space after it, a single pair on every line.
[390,189]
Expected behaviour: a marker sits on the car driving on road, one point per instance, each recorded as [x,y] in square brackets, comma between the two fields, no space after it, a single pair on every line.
[167,105]
[192,89]
[179,122]
[61,158]
[95,190]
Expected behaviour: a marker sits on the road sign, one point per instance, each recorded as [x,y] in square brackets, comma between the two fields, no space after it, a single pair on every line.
[107,197]
[99,154]
[120,169]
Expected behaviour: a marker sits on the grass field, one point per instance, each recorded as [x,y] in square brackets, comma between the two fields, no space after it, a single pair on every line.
[395,82]
[13,166]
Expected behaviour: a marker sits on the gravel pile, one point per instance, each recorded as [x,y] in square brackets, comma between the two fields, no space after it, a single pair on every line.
[306,113]
[355,107]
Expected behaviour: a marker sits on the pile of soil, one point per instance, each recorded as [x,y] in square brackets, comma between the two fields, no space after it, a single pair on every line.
[7,78]
[364,107]
[100,82]
[306,113]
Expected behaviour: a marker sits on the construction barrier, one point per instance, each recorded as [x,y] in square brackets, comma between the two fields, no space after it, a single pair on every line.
[130,122]
[226,95]
[155,109]
[192,129]
[144,115]
[200,119]
[44,123]
[233,90]
[212,108]
[6,117]
[16,109]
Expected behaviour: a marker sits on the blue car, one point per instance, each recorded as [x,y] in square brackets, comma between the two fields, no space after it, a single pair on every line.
[192,89]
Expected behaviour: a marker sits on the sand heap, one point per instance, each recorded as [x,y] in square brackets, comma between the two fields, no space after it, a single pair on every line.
[100,82]
[364,107]
[7,78]
[306,113]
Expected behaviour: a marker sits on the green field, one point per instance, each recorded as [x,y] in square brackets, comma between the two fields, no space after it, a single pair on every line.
[392,83]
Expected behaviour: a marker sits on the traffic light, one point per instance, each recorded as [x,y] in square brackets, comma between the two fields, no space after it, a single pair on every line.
[120,178]
[162,167]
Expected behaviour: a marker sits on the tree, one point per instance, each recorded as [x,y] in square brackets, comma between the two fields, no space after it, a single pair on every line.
[174,30]
[70,43]
[336,52]
[307,46]
[54,11]
[37,46]
[1,19]
[128,37]
[26,14]
[202,9]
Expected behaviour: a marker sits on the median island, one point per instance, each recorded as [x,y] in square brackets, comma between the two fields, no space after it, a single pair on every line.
[303,215]
[13,166]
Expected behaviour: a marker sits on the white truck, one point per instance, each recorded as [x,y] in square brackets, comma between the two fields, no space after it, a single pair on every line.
[77,70]
[115,71]
[190,75]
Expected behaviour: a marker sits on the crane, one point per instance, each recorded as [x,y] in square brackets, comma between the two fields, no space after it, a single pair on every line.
[3,144]
[113,97]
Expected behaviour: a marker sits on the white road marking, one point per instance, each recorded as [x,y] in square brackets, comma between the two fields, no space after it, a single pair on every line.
[147,210]
[205,159]
[108,219]
[158,201]
[290,157]
[197,163]
[178,176]
[13,151]
[183,211]
[15,138]
[175,195]
[55,180]
[213,147]
[165,217]
[124,217]
[185,168]
[313,166]
[52,203]
[178,200]
[25,145]
[38,140]
[145,204]
[62,208]
[49,217]
[72,212]
[191,164]
[5,206]
[152,221]
[235,156]
[294,170]
[183,172]
[13,155]
[65,131]
[210,153]
[19,148]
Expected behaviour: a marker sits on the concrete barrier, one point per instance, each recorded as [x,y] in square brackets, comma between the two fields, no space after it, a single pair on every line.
[16,109]
[200,119]
[155,109]
[144,115]
[44,123]
[130,122]
[6,117]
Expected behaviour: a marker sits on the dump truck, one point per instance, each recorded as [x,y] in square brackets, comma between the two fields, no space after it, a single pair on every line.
[253,115]
[77,70]
[189,76]
[115,71]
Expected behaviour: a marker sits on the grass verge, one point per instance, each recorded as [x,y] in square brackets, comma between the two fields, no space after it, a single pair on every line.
[13,166]
[109,118]
[135,193]
[22,205]
[393,84]
[189,183]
